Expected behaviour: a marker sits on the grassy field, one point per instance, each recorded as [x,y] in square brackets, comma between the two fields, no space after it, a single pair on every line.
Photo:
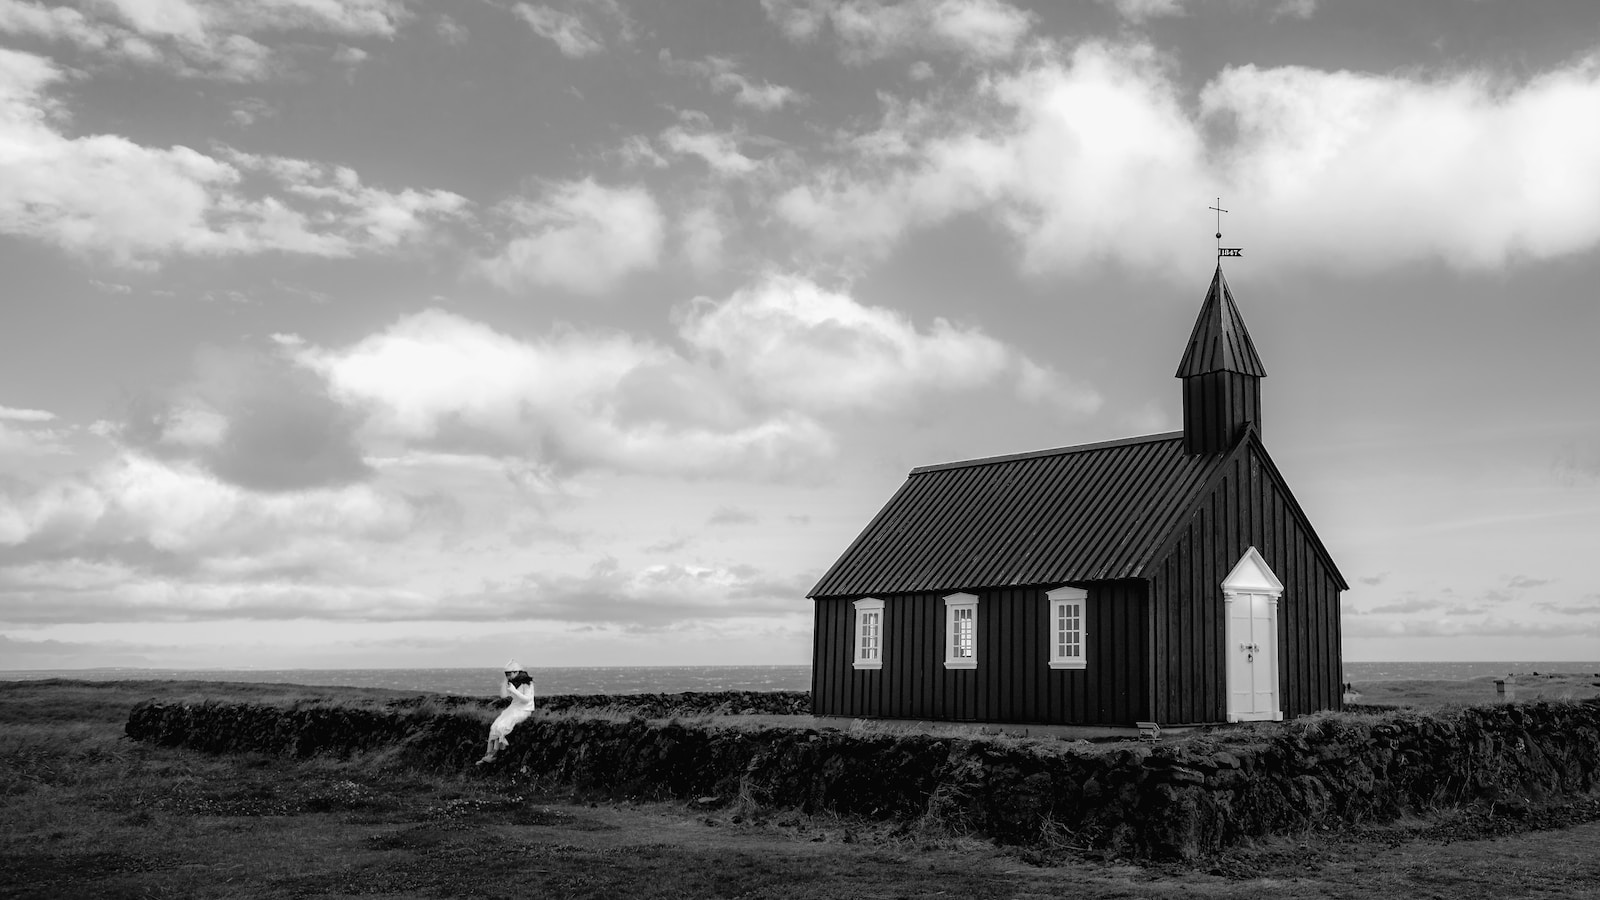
[1474,691]
[84,812]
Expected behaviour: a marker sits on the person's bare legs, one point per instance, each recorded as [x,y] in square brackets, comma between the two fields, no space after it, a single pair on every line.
[496,744]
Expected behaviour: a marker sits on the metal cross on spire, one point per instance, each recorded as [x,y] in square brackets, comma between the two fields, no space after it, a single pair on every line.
[1221,250]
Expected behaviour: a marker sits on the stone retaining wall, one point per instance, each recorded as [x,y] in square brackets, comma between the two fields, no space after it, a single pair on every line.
[1162,801]
[651,706]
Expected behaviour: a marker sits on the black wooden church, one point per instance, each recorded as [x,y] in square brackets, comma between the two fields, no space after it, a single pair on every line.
[1170,578]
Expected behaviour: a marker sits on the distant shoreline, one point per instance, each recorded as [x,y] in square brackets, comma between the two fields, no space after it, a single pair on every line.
[484,682]
[1553,665]
[386,668]
[1354,662]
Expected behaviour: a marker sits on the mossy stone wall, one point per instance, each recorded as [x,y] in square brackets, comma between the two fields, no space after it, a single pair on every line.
[1162,801]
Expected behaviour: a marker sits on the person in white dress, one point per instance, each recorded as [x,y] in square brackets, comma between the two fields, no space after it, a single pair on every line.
[519,687]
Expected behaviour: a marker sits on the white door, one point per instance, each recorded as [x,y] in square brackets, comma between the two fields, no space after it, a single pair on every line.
[1251,592]
[1252,658]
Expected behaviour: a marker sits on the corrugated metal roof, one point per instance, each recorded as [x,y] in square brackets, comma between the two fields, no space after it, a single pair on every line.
[1081,513]
[1220,342]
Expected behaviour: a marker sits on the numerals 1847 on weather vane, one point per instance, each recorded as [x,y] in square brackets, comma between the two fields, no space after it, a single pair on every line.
[1221,250]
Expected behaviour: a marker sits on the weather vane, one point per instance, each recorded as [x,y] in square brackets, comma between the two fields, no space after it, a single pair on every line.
[1221,250]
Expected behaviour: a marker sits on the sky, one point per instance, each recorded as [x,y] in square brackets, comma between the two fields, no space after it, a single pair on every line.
[376,333]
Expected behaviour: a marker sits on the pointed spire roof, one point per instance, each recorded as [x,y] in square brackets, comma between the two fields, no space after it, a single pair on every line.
[1220,342]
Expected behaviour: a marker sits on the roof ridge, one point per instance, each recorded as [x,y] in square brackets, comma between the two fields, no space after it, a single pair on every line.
[1057,451]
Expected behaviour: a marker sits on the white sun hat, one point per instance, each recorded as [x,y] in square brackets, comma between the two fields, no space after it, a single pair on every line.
[512,666]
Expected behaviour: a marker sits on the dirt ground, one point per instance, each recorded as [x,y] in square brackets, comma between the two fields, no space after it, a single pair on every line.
[260,828]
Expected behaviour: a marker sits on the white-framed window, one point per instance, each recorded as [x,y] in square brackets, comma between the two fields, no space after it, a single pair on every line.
[869,633]
[1068,632]
[961,631]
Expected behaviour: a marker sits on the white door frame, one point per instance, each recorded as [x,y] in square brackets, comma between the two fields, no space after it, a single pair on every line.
[1251,580]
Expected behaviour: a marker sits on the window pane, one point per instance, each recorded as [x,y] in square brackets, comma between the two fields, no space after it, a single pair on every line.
[871,634]
[1069,631]
[963,634]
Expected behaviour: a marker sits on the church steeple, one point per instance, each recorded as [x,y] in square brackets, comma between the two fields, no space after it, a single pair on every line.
[1221,375]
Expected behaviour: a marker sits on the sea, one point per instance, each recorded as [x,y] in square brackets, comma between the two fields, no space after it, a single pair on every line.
[677,679]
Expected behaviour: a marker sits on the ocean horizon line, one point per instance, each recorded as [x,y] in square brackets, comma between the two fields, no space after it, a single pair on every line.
[266,668]
[485,681]
[4,669]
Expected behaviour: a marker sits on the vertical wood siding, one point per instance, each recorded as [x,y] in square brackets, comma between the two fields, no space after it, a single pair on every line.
[1013,681]
[1215,407]
[1247,508]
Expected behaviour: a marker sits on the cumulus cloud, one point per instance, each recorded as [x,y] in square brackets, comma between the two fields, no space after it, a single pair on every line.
[1308,139]
[724,77]
[578,30]
[794,344]
[350,57]
[209,38]
[1141,10]
[26,415]
[251,110]
[702,234]
[1079,156]
[27,434]
[253,420]
[798,345]
[361,216]
[719,150]
[750,388]
[268,490]
[571,399]
[19,444]
[1080,164]
[566,30]
[135,205]
[1144,10]
[450,31]
[137,505]
[637,151]
[147,538]
[1295,9]
[377,18]
[579,235]
[870,30]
